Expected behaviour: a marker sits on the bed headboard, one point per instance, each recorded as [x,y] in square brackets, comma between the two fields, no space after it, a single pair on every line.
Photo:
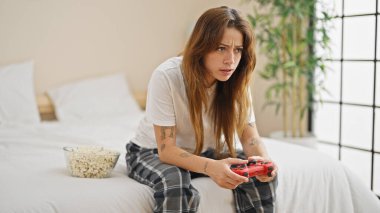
[47,112]
[45,107]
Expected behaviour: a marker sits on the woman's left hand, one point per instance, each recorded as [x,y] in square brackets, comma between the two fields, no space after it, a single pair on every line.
[265,178]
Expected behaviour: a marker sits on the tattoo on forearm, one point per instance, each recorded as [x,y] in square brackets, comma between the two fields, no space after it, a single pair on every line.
[205,167]
[253,141]
[185,154]
[167,131]
[162,147]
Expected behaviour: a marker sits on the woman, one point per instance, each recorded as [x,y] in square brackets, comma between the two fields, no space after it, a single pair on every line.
[198,108]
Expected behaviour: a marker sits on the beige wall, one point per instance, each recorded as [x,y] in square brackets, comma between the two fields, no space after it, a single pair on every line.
[76,39]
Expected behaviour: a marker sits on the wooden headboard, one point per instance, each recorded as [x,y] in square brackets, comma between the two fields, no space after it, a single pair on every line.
[47,112]
[45,107]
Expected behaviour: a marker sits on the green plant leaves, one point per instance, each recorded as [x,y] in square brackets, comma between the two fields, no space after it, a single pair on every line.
[287,32]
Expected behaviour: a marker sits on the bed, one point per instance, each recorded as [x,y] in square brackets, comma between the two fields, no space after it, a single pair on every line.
[34,177]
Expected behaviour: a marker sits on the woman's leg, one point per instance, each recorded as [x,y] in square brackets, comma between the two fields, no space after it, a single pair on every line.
[255,196]
[172,187]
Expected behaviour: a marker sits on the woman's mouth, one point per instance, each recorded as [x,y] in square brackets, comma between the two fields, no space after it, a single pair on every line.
[226,71]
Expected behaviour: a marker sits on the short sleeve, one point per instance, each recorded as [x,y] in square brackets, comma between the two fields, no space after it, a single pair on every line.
[159,106]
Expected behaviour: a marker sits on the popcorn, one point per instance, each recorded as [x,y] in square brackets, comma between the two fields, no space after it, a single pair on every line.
[90,161]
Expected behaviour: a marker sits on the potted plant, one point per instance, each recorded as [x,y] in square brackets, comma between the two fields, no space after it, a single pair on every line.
[288,32]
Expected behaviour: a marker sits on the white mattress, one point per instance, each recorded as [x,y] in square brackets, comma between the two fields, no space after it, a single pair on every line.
[34,177]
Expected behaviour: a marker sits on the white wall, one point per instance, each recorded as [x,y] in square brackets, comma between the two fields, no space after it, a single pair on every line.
[76,39]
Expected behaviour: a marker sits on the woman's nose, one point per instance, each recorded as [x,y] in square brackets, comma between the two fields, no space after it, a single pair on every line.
[229,57]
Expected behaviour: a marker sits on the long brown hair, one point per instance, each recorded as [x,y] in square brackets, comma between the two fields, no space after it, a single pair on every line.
[230,105]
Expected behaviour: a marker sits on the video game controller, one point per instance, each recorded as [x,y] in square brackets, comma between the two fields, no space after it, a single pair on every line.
[253,168]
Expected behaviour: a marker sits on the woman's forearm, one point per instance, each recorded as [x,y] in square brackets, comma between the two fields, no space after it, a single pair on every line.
[254,147]
[252,143]
[171,154]
[183,159]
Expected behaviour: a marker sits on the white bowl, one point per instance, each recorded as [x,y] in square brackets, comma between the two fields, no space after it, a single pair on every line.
[90,161]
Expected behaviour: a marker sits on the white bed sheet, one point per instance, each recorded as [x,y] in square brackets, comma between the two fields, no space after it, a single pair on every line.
[34,177]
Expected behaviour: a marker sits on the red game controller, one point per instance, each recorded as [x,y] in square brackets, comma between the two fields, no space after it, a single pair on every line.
[253,168]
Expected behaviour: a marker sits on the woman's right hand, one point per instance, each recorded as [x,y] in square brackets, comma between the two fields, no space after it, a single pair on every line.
[220,172]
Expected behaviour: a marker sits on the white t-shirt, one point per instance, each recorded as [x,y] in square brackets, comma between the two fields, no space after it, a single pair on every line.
[167,105]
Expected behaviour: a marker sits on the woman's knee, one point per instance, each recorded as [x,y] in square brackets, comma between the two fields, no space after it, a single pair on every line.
[175,191]
[176,176]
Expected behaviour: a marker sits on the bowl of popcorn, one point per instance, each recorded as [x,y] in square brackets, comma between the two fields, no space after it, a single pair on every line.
[90,161]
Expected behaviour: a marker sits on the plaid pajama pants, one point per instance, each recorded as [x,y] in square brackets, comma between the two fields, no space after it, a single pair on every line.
[172,187]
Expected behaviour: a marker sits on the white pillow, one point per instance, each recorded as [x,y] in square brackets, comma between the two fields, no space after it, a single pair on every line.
[93,99]
[17,98]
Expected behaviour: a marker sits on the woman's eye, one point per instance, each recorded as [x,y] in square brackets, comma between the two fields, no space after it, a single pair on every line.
[238,50]
[220,49]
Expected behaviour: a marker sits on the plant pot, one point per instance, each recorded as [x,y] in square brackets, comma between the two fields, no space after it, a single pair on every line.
[309,141]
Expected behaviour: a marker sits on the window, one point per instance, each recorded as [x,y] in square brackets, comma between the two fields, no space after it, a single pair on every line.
[348,122]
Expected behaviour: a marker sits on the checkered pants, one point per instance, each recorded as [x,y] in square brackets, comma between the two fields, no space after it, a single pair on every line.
[172,187]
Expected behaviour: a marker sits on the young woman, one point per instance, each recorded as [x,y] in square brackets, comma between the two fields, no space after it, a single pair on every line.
[198,109]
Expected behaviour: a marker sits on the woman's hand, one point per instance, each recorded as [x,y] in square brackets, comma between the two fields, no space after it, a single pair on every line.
[220,172]
[265,178]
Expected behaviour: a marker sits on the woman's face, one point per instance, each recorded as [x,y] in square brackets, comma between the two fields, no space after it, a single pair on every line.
[221,63]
